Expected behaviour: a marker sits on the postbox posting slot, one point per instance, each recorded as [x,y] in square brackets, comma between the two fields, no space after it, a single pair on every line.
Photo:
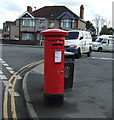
[58,44]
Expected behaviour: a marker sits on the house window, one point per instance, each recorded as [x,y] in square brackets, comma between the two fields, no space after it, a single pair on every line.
[51,24]
[27,36]
[42,24]
[67,23]
[6,28]
[72,23]
[28,22]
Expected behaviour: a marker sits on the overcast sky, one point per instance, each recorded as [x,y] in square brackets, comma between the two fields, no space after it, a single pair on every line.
[10,10]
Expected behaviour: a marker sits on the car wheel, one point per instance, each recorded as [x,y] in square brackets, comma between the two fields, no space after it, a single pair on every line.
[99,49]
[89,53]
[78,54]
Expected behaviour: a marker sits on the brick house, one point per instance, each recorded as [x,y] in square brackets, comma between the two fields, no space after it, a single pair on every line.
[10,30]
[29,25]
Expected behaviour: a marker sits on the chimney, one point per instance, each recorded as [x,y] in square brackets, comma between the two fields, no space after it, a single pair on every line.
[29,9]
[82,11]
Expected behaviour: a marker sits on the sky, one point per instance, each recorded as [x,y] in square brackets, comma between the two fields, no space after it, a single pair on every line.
[10,10]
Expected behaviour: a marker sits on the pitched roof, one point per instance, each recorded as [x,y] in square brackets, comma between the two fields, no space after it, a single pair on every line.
[53,12]
[25,14]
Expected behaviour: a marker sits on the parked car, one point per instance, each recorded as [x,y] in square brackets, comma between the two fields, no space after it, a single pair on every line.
[100,38]
[104,43]
[78,42]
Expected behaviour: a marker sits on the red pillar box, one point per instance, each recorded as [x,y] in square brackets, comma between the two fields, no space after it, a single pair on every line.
[54,66]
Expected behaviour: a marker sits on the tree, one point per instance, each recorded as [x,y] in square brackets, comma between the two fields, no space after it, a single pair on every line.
[107,31]
[100,22]
[97,23]
[91,29]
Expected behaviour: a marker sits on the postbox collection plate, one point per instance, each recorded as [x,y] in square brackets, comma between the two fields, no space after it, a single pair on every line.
[58,56]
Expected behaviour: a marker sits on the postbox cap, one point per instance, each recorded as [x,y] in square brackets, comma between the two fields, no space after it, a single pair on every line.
[54,32]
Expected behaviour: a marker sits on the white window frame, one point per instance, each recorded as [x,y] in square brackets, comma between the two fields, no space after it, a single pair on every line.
[28,36]
[67,23]
[28,22]
[51,23]
[42,23]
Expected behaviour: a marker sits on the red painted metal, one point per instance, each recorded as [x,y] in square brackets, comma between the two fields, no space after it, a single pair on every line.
[54,61]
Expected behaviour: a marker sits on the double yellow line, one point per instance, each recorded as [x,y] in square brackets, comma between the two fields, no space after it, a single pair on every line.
[14,78]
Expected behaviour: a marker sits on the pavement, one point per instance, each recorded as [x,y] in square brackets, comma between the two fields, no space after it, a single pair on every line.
[79,102]
[33,92]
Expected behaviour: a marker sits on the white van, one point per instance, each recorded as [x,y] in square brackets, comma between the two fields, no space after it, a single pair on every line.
[104,43]
[78,42]
[100,38]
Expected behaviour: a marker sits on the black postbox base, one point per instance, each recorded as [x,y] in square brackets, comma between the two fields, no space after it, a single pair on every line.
[53,100]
